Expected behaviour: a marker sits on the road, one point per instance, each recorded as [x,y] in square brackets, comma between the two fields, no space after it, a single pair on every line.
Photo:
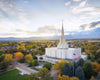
[27,70]
[54,74]
[24,69]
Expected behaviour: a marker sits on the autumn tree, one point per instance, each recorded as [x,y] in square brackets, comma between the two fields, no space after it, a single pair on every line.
[21,46]
[63,77]
[28,58]
[92,78]
[8,58]
[59,65]
[18,56]
[96,67]
[74,78]
[44,74]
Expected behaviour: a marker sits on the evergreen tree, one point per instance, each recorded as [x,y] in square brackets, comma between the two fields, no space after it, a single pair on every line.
[79,73]
[67,69]
[80,62]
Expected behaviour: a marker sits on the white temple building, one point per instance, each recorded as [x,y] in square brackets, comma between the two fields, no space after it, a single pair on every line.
[62,51]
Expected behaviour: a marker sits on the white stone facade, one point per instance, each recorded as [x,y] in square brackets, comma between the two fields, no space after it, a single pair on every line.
[55,52]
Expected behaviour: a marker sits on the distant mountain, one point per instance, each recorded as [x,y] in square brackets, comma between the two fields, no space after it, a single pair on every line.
[92,34]
[31,38]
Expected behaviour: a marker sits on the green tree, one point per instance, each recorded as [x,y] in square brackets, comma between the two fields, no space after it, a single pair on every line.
[3,66]
[33,76]
[2,57]
[79,73]
[67,70]
[47,65]
[88,69]
[44,74]
[34,63]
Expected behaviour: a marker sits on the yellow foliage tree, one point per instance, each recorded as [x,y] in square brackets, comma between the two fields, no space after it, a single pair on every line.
[74,78]
[92,78]
[59,65]
[18,56]
[63,77]
[21,47]
[96,67]
[28,58]
[8,57]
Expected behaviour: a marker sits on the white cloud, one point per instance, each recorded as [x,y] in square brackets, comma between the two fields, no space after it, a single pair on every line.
[48,30]
[76,0]
[83,3]
[68,3]
[94,13]
[85,9]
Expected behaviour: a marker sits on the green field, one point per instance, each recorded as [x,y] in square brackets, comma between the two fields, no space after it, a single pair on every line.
[94,41]
[11,75]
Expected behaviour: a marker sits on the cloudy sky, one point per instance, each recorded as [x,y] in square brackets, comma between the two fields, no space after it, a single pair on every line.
[39,18]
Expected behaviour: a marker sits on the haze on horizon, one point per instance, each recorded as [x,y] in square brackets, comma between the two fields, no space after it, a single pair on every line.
[41,18]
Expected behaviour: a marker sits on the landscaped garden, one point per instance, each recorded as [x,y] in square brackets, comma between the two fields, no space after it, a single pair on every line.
[12,75]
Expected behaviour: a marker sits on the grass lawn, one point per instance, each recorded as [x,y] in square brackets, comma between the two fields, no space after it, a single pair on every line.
[11,75]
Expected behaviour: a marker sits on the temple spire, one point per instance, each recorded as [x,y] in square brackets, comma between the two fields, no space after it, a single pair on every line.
[62,38]
[62,33]
[62,43]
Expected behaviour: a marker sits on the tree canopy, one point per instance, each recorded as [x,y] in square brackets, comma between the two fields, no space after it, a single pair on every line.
[67,70]
[59,65]
[88,69]
[79,73]
[47,65]
[28,58]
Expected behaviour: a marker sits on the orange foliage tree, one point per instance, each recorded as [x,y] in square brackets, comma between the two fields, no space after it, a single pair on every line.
[96,67]
[18,56]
